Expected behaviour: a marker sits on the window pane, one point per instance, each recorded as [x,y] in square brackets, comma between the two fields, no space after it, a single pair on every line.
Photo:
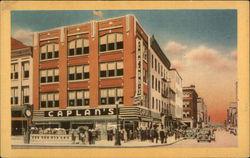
[79,69]
[50,96]
[111,38]
[111,100]
[119,92]
[103,40]
[79,94]
[111,46]
[44,49]
[119,37]
[103,48]
[71,95]
[56,47]
[79,43]
[103,93]
[103,66]
[72,44]
[78,51]
[86,94]
[50,48]
[111,66]
[56,95]
[86,50]
[86,43]
[111,92]
[86,68]
[72,70]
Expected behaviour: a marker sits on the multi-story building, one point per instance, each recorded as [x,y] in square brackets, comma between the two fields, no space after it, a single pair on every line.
[190,106]
[21,85]
[160,91]
[176,84]
[232,115]
[81,71]
[201,113]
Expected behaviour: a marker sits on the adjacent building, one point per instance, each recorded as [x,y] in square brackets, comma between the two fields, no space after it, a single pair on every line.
[21,85]
[190,106]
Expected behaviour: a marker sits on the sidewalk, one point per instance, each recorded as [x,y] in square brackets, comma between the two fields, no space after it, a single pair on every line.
[19,141]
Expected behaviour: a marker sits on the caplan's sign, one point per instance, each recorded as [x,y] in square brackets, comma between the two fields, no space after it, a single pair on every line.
[80,112]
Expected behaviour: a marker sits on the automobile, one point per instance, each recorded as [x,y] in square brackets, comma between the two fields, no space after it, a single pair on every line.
[205,135]
[189,133]
[233,131]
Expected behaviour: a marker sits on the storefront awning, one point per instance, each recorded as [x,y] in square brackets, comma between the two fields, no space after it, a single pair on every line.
[182,123]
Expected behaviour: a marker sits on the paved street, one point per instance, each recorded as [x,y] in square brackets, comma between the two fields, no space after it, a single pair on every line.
[223,139]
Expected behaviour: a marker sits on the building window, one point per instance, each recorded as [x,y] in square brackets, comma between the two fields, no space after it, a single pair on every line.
[78,47]
[156,106]
[155,64]
[153,102]
[25,66]
[78,98]
[161,71]
[159,68]
[14,71]
[152,60]
[145,76]
[49,51]
[25,95]
[159,86]
[14,96]
[111,69]
[152,81]
[78,72]
[156,84]
[49,75]
[111,95]
[145,53]
[109,42]
[49,100]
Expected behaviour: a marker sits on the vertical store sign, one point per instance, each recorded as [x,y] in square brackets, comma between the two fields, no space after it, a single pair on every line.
[139,69]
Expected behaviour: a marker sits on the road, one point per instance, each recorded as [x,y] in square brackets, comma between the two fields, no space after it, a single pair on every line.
[223,139]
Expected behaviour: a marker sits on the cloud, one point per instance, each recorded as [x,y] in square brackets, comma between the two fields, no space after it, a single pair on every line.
[177,65]
[23,35]
[233,55]
[209,57]
[174,47]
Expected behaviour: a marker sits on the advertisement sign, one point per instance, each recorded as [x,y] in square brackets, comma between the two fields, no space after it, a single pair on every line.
[139,70]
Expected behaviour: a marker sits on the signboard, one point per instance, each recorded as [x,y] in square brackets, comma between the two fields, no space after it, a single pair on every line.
[139,70]
[80,112]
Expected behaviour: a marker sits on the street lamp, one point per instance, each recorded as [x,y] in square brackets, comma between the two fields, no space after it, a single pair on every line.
[117,134]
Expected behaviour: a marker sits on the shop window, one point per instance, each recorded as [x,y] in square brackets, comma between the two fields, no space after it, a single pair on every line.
[78,98]
[78,47]
[49,100]
[49,75]
[111,69]
[79,72]
[25,69]
[109,42]
[110,96]
[49,51]
[14,71]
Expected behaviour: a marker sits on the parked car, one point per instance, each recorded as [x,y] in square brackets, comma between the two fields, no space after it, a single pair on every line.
[233,131]
[205,135]
[190,134]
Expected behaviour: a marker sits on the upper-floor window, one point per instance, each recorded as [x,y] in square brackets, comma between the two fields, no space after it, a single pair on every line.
[153,81]
[14,71]
[111,95]
[156,84]
[153,102]
[152,60]
[49,75]
[78,47]
[111,69]
[49,100]
[159,68]
[25,95]
[159,86]
[145,53]
[14,96]
[25,67]
[78,98]
[145,76]
[49,51]
[155,64]
[78,72]
[109,42]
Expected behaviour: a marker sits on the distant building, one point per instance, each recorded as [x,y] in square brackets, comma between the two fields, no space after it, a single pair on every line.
[232,115]
[190,106]
[21,85]
[176,84]
[201,112]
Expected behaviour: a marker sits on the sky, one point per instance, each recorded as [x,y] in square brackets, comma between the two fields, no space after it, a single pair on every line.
[201,44]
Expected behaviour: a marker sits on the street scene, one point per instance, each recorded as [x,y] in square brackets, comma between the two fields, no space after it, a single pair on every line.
[129,78]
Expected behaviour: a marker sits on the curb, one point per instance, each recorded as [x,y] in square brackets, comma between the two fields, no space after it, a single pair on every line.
[35,146]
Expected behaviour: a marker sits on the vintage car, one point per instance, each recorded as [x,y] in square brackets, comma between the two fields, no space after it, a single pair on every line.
[190,134]
[205,135]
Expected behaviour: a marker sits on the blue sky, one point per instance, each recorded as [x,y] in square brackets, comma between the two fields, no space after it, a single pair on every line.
[214,28]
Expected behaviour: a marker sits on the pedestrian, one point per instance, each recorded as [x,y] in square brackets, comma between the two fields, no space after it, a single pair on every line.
[162,136]
[93,136]
[125,136]
[73,137]
[152,134]
[156,135]
[90,136]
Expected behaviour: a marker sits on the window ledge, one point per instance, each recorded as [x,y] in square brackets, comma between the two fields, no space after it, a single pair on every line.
[114,77]
[48,59]
[78,80]
[78,55]
[110,51]
[49,83]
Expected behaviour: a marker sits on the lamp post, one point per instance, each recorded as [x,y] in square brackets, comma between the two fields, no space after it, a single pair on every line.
[117,134]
